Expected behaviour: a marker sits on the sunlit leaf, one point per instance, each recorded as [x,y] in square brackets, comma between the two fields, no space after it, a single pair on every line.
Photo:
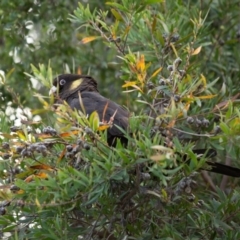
[137,88]
[89,39]
[42,166]
[197,51]
[156,72]
[174,49]
[43,135]
[204,80]
[141,63]
[42,175]
[164,194]
[158,157]
[162,148]
[4,193]
[129,84]
[236,122]
[62,155]
[116,14]
[171,124]
[37,203]
[141,78]
[39,111]
[8,136]
[128,91]
[41,99]
[21,135]
[153,1]
[69,134]
[19,191]
[126,30]
[103,127]
[94,120]
[29,179]
[133,68]
[207,96]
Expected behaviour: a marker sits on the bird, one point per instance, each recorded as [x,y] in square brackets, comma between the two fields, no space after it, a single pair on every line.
[69,87]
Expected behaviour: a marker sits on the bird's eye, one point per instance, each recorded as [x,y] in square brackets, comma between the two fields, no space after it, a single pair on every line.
[62,82]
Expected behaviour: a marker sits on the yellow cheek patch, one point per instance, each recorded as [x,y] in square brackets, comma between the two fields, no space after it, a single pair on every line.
[75,84]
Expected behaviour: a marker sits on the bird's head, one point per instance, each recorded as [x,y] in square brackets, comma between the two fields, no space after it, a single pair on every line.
[67,84]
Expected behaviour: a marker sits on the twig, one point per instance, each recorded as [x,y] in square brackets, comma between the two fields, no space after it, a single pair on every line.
[208,180]
[194,134]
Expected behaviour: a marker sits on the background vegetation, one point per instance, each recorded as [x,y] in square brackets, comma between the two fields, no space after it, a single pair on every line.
[178,63]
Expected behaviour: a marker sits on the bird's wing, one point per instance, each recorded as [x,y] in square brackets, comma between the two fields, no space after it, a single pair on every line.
[106,109]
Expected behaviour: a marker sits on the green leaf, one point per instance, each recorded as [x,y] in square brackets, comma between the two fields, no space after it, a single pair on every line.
[94,121]
[117,6]
[116,14]
[153,1]
[224,127]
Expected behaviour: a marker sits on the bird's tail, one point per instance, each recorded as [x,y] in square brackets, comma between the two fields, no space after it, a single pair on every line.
[222,169]
[215,166]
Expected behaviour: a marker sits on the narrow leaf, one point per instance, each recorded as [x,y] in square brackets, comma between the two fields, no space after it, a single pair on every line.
[116,14]
[207,96]
[129,84]
[141,63]
[156,72]
[94,120]
[197,51]
[103,127]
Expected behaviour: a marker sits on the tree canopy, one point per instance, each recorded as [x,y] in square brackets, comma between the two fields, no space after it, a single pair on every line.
[174,65]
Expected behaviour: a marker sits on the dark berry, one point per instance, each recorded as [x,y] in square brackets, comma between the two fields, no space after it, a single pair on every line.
[5,145]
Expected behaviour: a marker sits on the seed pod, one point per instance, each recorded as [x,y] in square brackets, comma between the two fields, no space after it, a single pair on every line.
[69,155]
[86,146]
[190,120]
[19,149]
[2,211]
[49,130]
[182,73]
[177,63]
[177,98]
[26,153]
[162,82]
[205,122]
[175,37]
[170,68]
[150,85]
[198,122]
[14,129]
[118,39]
[6,156]
[69,148]
[5,145]
[14,188]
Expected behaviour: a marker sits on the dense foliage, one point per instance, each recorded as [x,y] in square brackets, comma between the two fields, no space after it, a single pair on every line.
[178,65]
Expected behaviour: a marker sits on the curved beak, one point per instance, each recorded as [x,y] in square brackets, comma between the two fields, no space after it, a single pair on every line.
[52,90]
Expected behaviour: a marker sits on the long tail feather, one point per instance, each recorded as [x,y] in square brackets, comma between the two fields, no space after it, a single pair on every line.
[215,166]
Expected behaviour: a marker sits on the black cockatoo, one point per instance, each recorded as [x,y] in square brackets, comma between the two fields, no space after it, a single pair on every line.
[68,87]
